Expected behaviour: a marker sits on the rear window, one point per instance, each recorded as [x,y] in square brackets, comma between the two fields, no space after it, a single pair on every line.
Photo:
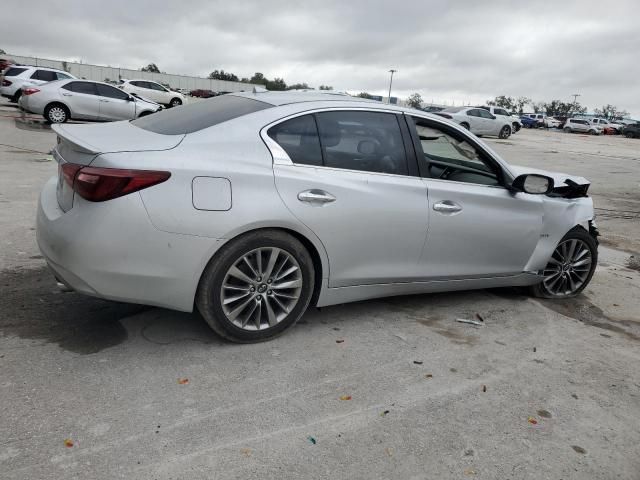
[14,72]
[199,115]
[452,109]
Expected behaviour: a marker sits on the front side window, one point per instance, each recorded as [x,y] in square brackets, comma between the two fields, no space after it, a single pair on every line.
[299,138]
[155,86]
[485,114]
[366,141]
[500,111]
[44,75]
[447,155]
[110,92]
[473,113]
[87,88]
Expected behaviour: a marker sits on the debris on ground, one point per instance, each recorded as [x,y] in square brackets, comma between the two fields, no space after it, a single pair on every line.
[534,349]
[345,397]
[532,420]
[312,440]
[472,322]
[544,413]
[389,451]
[418,362]
[340,340]
[479,317]
[386,412]
[68,443]
[183,381]
[428,375]
[574,396]
[246,452]
[578,449]
[469,471]
[401,337]
[484,388]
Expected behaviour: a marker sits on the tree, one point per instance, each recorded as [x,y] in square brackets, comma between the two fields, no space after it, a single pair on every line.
[365,95]
[152,67]
[298,86]
[2,52]
[520,102]
[502,101]
[325,87]
[276,84]
[258,78]
[414,100]
[65,67]
[222,75]
[611,112]
[537,106]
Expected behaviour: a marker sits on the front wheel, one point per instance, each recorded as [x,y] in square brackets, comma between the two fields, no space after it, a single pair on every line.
[256,287]
[465,125]
[56,113]
[505,132]
[570,267]
[175,102]
[628,135]
[567,130]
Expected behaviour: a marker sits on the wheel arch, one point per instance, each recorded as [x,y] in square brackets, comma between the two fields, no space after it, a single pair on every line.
[313,246]
[56,102]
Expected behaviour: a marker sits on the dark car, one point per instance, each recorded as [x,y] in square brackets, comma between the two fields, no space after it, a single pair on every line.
[529,122]
[632,131]
[202,93]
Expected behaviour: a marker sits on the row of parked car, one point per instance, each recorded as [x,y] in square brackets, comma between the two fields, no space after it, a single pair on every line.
[594,126]
[59,96]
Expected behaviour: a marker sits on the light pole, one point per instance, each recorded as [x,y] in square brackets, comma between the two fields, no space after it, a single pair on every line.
[391,82]
[575,101]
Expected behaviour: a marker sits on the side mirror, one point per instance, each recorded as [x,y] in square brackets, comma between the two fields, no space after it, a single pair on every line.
[533,183]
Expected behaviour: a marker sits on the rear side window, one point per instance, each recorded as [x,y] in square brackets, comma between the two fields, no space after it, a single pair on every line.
[367,141]
[62,76]
[14,72]
[44,75]
[199,115]
[136,83]
[299,138]
[88,88]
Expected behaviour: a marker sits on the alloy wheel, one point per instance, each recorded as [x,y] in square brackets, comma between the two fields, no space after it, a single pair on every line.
[568,269]
[261,288]
[57,115]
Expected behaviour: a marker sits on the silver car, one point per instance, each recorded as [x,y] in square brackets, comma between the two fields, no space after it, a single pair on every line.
[250,207]
[479,121]
[76,99]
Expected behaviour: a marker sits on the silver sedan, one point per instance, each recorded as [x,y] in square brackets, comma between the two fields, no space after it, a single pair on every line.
[75,99]
[251,207]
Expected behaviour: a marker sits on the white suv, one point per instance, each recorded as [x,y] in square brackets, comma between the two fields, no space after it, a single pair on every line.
[602,123]
[516,124]
[153,91]
[581,125]
[16,77]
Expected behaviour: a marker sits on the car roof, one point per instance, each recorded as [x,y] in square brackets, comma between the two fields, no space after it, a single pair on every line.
[40,68]
[291,97]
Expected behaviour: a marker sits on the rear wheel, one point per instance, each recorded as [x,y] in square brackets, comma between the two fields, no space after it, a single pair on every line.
[56,113]
[629,135]
[16,96]
[175,102]
[570,267]
[256,287]
[567,130]
[515,127]
[505,132]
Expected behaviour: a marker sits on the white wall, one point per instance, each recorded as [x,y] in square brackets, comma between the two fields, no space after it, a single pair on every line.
[100,73]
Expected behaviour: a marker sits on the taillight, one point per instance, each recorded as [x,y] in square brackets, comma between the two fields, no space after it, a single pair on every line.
[30,91]
[101,184]
[6,83]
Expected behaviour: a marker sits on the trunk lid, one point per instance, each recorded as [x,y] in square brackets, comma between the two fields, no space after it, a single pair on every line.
[81,144]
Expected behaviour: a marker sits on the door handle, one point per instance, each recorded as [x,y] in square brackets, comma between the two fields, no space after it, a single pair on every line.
[67,94]
[316,196]
[104,101]
[447,207]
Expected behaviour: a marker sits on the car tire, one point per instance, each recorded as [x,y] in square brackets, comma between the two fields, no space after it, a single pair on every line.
[580,246]
[56,113]
[593,132]
[505,132]
[465,125]
[567,130]
[240,305]
[16,96]
[629,135]
[516,127]
[175,102]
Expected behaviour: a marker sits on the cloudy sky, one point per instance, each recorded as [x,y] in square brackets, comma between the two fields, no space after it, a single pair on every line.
[448,51]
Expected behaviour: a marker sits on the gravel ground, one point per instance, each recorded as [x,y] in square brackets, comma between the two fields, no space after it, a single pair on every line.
[391,388]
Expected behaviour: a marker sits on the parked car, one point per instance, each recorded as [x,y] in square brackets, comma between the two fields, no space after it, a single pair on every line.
[153,91]
[74,99]
[18,76]
[581,125]
[478,121]
[516,124]
[529,122]
[552,122]
[606,124]
[250,207]
[202,93]
[538,117]
[632,130]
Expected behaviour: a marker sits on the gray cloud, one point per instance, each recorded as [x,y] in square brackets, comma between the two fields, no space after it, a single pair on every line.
[447,51]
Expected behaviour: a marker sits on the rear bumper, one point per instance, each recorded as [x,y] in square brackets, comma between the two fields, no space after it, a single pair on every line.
[111,250]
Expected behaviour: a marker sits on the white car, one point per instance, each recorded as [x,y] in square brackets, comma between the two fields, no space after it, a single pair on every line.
[552,122]
[602,123]
[18,76]
[516,123]
[153,91]
[75,99]
[581,125]
[478,121]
